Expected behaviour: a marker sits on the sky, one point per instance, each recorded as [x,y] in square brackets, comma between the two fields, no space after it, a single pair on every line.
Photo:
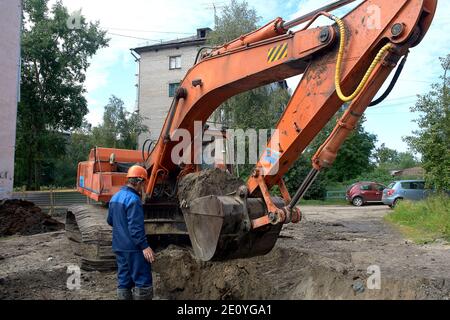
[134,23]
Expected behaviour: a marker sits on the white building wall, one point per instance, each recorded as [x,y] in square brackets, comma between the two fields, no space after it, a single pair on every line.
[154,79]
[10,22]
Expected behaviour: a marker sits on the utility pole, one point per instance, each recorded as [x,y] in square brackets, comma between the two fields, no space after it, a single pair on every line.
[10,24]
[215,6]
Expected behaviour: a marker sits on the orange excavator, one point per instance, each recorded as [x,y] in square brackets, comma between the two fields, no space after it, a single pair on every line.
[346,61]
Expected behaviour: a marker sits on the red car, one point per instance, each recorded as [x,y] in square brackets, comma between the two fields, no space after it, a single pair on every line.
[364,192]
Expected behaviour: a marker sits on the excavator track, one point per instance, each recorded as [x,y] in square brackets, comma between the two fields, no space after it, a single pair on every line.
[91,237]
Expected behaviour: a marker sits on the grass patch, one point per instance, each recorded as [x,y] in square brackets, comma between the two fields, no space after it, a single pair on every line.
[423,221]
[329,202]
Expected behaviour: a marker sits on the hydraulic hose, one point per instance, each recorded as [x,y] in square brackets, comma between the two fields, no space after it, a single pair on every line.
[337,77]
[397,74]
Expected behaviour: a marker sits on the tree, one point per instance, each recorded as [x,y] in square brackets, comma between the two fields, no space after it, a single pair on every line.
[235,20]
[384,155]
[54,62]
[255,109]
[432,140]
[298,173]
[353,160]
[78,145]
[392,159]
[353,157]
[120,128]
[407,160]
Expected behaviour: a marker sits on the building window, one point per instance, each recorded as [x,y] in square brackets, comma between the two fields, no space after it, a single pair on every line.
[173,89]
[175,62]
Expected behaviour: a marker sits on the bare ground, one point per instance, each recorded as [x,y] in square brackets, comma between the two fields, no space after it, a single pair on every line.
[326,256]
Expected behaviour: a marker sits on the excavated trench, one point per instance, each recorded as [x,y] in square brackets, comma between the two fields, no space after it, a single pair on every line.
[287,272]
[282,274]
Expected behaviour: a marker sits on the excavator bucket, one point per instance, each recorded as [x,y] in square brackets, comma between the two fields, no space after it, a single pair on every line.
[220,227]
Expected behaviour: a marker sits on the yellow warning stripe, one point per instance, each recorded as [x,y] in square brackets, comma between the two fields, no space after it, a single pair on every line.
[277,53]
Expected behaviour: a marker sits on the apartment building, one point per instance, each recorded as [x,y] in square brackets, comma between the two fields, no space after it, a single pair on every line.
[161,68]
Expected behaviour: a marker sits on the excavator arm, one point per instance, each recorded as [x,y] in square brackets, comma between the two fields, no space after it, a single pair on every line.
[348,61]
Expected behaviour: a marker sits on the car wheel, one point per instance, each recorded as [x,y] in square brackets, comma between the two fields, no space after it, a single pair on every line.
[396,202]
[357,201]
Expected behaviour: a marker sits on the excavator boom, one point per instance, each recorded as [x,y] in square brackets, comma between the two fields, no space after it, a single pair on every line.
[347,61]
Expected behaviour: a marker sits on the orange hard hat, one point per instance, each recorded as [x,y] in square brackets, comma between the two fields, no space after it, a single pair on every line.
[137,172]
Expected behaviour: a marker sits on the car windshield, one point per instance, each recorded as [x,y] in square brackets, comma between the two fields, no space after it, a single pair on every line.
[390,186]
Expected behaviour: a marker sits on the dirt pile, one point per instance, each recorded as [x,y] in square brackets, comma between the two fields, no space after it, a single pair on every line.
[24,218]
[207,182]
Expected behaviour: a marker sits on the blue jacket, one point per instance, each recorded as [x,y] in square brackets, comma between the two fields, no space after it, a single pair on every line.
[126,216]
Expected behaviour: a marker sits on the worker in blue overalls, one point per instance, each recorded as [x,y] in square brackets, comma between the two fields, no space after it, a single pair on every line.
[133,254]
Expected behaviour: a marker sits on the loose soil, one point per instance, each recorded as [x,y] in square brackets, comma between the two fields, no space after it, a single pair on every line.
[326,256]
[207,182]
[23,217]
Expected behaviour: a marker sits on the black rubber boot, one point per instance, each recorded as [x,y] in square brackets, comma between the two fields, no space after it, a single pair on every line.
[124,294]
[142,293]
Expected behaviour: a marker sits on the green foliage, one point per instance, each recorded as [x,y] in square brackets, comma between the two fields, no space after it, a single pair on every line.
[120,129]
[77,149]
[54,62]
[256,109]
[384,154]
[378,174]
[424,221]
[352,161]
[329,202]
[235,20]
[432,139]
[394,160]
[353,158]
[298,173]
[386,160]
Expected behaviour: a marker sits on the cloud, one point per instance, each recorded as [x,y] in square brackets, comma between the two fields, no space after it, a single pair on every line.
[135,18]
[422,69]
[95,116]
[125,21]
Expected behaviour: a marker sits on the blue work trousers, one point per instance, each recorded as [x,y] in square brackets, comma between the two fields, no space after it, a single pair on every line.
[133,270]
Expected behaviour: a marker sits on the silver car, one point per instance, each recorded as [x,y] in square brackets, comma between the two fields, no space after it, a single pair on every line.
[404,190]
